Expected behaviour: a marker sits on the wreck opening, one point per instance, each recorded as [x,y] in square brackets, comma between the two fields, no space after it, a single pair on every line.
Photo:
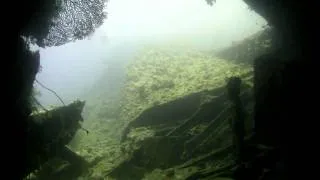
[169,118]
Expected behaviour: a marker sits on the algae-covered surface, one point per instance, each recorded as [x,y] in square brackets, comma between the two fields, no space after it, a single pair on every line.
[157,76]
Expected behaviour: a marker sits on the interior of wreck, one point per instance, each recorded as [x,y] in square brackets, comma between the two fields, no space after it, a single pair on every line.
[278,101]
